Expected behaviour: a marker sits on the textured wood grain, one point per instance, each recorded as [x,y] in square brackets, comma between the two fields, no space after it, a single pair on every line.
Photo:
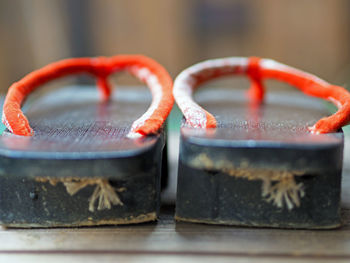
[87,258]
[74,121]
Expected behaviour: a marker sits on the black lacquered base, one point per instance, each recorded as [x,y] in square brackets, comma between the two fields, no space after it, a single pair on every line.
[215,197]
[261,167]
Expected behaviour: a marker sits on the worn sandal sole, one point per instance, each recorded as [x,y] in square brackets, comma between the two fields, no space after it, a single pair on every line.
[260,165]
[260,168]
[79,169]
[83,161]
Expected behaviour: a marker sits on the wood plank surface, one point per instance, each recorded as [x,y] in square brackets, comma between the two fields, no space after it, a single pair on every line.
[87,258]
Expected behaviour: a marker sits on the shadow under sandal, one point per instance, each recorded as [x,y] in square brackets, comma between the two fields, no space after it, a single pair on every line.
[84,161]
[255,163]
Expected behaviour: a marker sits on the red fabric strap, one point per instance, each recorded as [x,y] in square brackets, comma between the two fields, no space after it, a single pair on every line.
[101,68]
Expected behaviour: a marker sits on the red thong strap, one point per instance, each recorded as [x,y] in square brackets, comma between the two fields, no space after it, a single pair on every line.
[257,70]
[144,68]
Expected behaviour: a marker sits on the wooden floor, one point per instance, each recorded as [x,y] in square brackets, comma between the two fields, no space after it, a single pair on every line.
[167,241]
[170,241]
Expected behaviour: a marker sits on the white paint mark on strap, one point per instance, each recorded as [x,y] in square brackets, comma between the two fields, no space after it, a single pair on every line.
[194,114]
[188,79]
[152,81]
[5,121]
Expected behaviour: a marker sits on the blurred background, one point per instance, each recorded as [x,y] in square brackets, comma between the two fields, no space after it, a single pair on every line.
[312,35]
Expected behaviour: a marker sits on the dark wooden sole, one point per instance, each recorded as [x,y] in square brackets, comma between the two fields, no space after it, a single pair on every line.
[79,169]
[262,169]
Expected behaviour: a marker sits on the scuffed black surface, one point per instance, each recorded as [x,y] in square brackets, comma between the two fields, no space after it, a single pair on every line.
[273,137]
[214,197]
[78,136]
